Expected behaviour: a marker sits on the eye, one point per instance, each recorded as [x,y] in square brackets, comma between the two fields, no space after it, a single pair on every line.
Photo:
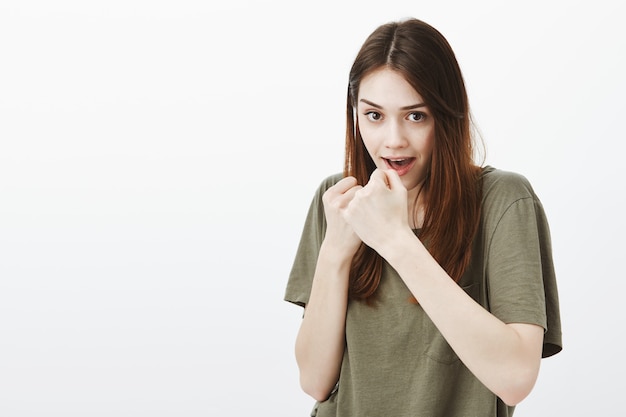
[373,116]
[417,116]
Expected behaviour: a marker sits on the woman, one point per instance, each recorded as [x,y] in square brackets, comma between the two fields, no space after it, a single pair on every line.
[427,281]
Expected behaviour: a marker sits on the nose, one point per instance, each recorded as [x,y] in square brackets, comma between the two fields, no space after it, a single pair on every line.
[395,136]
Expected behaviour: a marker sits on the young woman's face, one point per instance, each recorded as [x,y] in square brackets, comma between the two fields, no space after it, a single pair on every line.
[397,128]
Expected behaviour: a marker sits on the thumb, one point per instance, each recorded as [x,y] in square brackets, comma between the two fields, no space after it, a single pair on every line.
[393,179]
[380,176]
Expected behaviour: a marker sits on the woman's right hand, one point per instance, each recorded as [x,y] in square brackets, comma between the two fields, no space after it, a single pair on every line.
[340,234]
[320,343]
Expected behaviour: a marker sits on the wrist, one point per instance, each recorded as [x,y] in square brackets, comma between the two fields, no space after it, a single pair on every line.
[336,256]
[399,245]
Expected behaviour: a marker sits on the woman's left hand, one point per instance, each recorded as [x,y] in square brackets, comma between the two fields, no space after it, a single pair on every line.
[379,211]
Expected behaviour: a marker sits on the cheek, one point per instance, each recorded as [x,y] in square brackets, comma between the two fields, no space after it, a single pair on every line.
[428,144]
[371,146]
[368,138]
[368,147]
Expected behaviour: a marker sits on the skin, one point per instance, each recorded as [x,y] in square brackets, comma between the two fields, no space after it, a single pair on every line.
[396,125]
[504,357]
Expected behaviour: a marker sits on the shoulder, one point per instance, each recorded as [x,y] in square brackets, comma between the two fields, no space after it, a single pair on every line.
[506,192]
[505,186]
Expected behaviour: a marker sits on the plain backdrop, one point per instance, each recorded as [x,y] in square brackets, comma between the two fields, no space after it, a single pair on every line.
[157,159]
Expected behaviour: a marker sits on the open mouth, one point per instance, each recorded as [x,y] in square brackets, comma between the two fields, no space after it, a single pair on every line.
[400,165]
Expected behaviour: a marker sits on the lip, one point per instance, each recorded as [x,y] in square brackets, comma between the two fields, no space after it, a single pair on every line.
[402,168]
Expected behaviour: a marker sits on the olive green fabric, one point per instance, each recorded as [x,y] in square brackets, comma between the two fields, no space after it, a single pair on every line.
[396,363]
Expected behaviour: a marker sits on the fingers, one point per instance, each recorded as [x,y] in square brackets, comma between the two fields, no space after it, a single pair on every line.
[379,177]
[393,179]
[342,192]
[387,177]
[344,184]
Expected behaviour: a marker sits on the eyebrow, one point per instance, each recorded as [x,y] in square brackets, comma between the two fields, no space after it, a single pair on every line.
[378,106]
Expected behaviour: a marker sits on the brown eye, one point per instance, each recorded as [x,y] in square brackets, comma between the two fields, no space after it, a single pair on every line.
[417,116]
[373,116]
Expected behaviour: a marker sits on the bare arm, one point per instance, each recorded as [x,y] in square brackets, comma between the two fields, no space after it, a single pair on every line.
[321,339]
[504,357]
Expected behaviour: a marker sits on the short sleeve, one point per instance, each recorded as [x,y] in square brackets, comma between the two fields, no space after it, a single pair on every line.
[303,268]
[520,273]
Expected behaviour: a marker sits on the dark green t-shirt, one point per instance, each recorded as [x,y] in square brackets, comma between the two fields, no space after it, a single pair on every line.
[396,363]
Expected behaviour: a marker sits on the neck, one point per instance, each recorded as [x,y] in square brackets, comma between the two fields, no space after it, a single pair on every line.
[416,205]
[416,212]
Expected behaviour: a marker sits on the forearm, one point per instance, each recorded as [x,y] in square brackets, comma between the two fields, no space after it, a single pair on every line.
[504,357]
[321,339]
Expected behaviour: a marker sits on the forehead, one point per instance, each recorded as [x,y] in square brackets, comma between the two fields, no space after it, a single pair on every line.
[388,88]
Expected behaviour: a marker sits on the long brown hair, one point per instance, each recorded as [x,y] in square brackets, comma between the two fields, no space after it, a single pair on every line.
[452,189]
